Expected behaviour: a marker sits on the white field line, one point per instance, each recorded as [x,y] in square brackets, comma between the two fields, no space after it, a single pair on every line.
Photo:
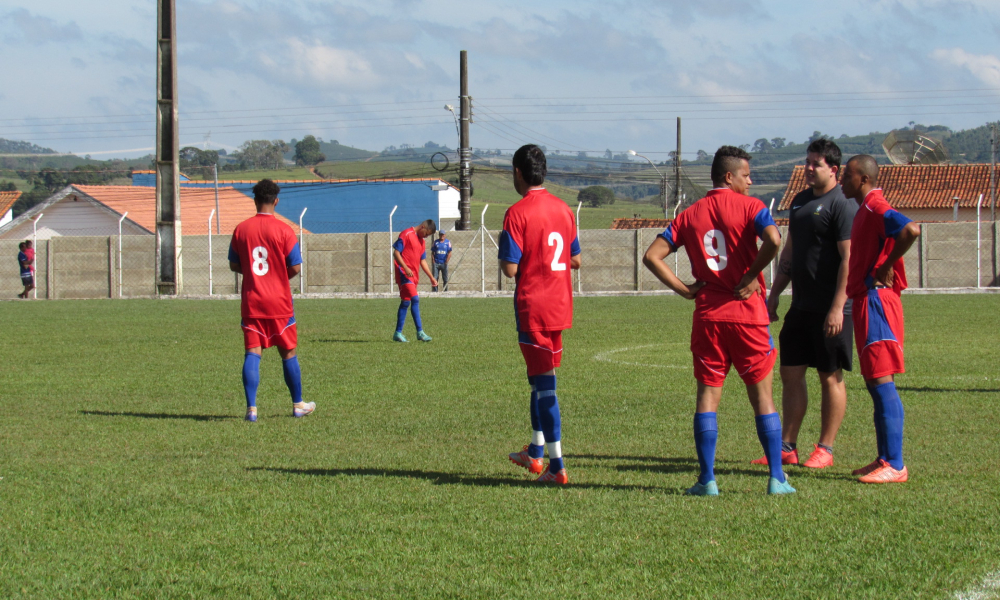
[989,588]
[607,354]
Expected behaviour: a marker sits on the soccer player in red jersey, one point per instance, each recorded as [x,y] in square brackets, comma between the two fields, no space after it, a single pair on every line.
[266,252]
[880,236]
[730,326]
[409,252]
[538,247]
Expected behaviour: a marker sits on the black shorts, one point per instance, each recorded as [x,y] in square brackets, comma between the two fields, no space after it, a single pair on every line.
[28,279]
[802,342]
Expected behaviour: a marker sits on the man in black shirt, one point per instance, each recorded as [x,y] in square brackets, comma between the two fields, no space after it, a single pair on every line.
[817,329]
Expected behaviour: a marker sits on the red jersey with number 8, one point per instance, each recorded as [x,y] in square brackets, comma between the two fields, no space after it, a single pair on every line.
[539,235]
[265,248]
[720,234]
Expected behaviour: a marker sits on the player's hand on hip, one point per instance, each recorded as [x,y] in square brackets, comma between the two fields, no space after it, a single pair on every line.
[693,290]
[884,275]
[834,323]
[747,287]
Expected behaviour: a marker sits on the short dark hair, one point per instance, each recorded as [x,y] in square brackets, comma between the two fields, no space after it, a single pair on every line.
[530,161]
[430,226]
[867,165]
[829,150]
[27,243]
[727,160]
[20,246]
[265,192]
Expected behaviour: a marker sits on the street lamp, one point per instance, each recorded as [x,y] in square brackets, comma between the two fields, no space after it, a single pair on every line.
[663,181]
[451,109]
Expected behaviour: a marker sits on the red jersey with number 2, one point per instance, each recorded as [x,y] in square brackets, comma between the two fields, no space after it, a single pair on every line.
[265,248]
[539,235]
[720,234]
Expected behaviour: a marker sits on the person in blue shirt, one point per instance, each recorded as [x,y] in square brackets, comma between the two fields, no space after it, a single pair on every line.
[441,249]
[25,261]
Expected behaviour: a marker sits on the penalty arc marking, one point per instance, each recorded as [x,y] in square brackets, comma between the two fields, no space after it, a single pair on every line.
[610,356]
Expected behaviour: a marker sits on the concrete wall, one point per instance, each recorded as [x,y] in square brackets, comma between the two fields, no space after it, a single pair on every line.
[89,267]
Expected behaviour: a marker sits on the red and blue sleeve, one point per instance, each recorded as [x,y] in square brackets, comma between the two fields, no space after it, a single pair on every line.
[670,234]
[895,221]
[762,221]
[510,242]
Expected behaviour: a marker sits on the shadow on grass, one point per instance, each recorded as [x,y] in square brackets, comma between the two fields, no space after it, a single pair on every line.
[906,388]
[102,413]
[344,341]
[666,465]
[440,478]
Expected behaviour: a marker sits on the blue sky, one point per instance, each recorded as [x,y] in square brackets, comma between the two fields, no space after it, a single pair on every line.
[572,75]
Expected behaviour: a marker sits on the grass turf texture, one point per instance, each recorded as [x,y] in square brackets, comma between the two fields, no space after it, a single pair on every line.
[128,472]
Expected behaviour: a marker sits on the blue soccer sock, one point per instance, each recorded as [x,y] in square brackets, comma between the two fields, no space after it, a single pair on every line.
[548,418]
[251,377]
[404,305]
[706,434]
[892,416]
[769,434]
[293,378]
[536,449]
[877,410]
[415,310]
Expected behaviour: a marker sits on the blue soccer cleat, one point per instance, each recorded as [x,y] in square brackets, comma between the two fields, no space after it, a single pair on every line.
[398,337]
[423,337]
[251,414]
[779,487]
[301,409]
[707,489]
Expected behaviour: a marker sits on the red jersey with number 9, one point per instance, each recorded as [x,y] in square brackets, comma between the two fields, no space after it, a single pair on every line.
[265,248]
[720,234]
[539,235]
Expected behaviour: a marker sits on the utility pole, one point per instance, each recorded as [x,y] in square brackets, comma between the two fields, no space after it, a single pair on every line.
[677,169]
[993,170]
[464,151]
[215,176]
[168,197]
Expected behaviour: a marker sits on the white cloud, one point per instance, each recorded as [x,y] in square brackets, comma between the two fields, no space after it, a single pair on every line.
[36,29]
[985,67]
[325,66]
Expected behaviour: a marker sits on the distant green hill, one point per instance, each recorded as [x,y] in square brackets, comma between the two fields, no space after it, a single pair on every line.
[334,150]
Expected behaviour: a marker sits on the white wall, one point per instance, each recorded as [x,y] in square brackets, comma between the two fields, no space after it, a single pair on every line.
[71,217]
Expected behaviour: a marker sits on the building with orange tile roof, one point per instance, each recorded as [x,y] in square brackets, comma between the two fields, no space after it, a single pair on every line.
[87,210]
[7,200]
[926,193]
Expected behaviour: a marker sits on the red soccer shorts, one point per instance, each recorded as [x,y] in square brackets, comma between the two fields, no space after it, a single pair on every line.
[878,333]
[265,333]
[717,346]
[407,289]
[542,350]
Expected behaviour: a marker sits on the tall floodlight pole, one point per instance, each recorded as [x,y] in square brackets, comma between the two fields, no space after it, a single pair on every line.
[663,182]
[464,151]
[168,197]
[677,167]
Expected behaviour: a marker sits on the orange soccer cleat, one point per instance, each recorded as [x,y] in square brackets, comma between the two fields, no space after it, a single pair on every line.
[820,458]
[885,474]
[550,477]
[521,459]
[787,458]
[868,468]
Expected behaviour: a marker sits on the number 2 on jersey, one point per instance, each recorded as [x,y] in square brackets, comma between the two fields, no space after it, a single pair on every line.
[555,238]
[259,256]
[715,248]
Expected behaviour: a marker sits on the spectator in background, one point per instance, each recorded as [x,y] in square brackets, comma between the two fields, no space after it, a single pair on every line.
[441,249]
[26,262]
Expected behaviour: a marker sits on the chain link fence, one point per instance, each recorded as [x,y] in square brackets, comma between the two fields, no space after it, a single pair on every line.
[947,255]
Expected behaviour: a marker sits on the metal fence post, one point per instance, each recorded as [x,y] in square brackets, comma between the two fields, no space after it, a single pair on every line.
[302,251]
[482,249]
[210,215]
[392,257]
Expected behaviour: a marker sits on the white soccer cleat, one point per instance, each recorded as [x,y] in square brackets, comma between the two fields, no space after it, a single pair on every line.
[301,409]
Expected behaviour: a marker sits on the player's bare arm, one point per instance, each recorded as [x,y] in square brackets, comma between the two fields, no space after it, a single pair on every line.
[575,262]
[399,261]
[510,269]
[294,270]
[835,318]
[653,259]
[235,267]
[426,269]
[781,280]
[748,286]
[884,275]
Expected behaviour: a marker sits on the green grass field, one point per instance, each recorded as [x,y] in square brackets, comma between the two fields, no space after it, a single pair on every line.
[128,472]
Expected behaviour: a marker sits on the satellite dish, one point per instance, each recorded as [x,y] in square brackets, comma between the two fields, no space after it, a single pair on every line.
[910,147]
